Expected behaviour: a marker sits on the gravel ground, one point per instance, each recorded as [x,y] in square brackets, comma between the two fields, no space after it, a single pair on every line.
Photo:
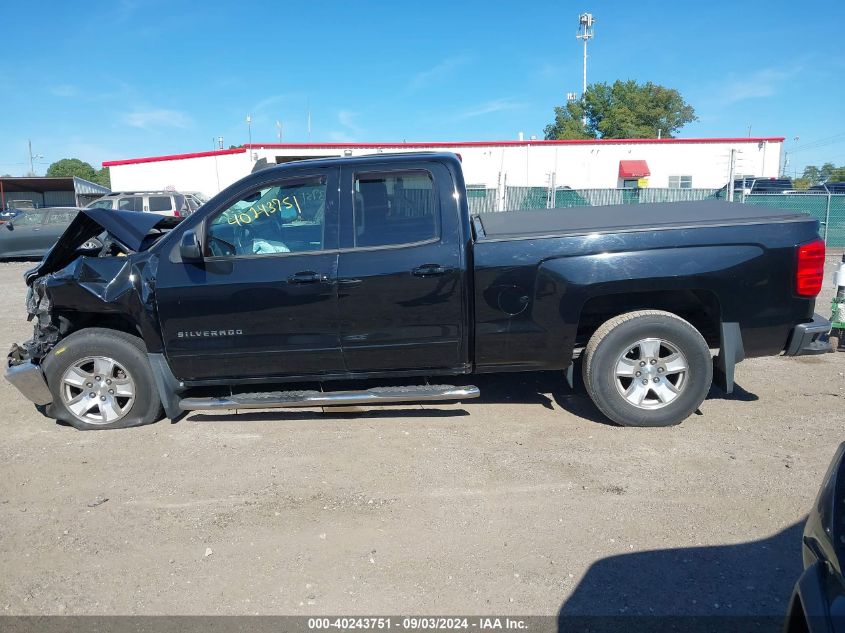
[523,502]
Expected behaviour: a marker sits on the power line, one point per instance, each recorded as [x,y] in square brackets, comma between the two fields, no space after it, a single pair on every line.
[822,142]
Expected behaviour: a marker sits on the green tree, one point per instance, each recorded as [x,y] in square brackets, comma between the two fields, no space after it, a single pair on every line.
[811,173]
[68,167]
[625,109]
[103,177]
[826,171]
[801,183]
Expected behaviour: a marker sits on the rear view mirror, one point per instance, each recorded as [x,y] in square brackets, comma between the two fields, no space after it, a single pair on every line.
[189,247]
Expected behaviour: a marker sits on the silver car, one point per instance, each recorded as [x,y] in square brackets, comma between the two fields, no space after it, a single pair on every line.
[167,203]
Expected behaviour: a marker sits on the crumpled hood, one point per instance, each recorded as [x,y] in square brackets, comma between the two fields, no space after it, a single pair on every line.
[127,227]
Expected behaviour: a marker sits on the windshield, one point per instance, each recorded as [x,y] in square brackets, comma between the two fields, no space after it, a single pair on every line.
[100,204]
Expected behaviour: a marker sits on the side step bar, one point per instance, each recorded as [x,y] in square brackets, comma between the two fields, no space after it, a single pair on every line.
[292,399]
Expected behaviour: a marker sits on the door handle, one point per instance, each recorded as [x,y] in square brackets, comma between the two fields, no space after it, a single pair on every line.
[306,277]
[429,270]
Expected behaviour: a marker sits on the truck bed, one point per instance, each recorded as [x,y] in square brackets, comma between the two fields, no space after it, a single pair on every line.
[626,217]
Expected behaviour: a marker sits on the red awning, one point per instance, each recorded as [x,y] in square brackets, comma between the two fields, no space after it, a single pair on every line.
[633,169]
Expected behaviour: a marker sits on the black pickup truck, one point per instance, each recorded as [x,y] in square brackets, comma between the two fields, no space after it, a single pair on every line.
[372,268]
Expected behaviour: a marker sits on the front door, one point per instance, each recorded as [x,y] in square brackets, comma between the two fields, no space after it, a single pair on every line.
[400,272]
[263,302]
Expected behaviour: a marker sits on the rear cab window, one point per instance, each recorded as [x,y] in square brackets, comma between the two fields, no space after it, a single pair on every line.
[394,208]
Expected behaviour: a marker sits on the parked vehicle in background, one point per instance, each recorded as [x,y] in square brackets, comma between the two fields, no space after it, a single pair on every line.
[169,203]
[8,214]
[20,205]
[33,232]
[755,184]
[373,268]
[194,202]
[818,600]
[829,187]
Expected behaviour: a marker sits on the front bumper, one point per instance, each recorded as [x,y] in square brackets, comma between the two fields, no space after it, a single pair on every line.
[809,338]
[27,377]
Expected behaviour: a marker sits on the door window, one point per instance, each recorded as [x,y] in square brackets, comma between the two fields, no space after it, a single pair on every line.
[394,208]
[101,204]
[288,217]
[132,203]
[64,216]
[160,203]
[29,218]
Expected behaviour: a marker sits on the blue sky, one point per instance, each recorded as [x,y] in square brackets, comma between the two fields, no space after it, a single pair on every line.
[128,78]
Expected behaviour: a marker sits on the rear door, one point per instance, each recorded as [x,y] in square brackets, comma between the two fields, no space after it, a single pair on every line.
[56,223]
[400,270]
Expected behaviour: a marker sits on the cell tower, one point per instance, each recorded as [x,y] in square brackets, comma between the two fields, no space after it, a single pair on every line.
[585,32]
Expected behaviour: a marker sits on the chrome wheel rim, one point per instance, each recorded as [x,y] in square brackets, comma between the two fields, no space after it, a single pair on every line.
[97,390]
[651,373]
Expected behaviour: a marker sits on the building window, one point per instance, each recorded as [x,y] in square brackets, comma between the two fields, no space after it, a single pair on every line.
[680,182]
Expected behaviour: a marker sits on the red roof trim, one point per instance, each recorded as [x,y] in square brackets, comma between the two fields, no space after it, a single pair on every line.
[598,141]
[446,145]
[155,159]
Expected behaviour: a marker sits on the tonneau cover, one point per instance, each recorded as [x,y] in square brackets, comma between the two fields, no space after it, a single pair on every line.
[578,220]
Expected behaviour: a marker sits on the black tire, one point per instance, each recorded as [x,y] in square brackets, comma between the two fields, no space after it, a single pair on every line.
[616,338]
[128,351]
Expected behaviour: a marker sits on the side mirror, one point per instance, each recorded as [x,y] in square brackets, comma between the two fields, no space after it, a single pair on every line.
[9,225]
[189,247]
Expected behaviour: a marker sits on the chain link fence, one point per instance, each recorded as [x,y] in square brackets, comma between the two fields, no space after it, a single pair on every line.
[828,209]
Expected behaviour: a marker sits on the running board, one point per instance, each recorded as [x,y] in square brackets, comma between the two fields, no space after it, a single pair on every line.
[292,399]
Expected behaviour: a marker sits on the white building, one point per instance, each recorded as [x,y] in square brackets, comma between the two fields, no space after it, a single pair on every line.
[676,163]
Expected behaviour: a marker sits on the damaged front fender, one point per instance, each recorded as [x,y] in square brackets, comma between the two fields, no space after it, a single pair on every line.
[132,230]
[69,291]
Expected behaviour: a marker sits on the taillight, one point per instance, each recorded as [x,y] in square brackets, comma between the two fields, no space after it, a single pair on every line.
[809,272]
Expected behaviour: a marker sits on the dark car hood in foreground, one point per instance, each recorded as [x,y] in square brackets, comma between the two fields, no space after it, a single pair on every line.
[130,228]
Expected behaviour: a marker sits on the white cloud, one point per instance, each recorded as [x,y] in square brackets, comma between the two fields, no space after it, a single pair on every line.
[489,107]
[351,130]
[64,90]
[760,84]
[273,100]
[157,118]
[436,73]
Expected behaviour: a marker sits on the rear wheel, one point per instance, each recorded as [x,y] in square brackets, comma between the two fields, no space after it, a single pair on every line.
[647,368]
[101,379]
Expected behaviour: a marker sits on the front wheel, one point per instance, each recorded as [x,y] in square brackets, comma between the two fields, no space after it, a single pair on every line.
[101,379]
[647,368]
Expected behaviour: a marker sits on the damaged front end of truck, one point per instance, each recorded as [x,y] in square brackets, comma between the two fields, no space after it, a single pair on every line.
[74,287]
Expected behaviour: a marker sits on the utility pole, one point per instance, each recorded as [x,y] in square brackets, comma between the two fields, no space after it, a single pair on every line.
[308,109]
[249,127]
[731,176]
[585,32]
[279,130]
[32,158]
